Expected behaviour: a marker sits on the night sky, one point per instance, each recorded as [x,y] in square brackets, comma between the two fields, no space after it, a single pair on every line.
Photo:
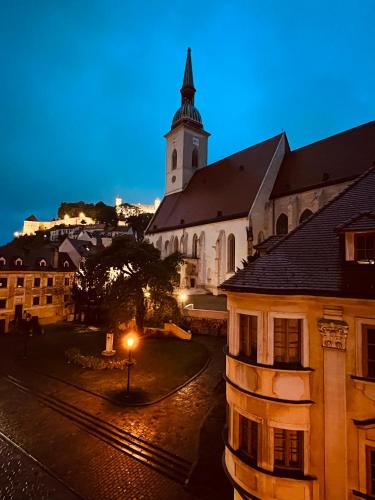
[89,88]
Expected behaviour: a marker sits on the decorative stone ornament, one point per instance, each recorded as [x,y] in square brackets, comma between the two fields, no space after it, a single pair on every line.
[334,333]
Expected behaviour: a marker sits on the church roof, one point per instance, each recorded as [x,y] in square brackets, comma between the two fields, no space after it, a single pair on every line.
[32,218]
[338,158]
[221,191]
[310,260]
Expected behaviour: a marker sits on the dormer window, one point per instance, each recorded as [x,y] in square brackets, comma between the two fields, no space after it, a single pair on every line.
[66,263]
[364,248]
[18,262]
[43,263]
[2,261]
[359,234]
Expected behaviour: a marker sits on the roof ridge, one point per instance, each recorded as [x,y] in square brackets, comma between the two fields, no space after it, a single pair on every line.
[332,136]
[243,150]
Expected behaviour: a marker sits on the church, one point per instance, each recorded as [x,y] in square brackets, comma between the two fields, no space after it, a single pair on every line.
[221,214]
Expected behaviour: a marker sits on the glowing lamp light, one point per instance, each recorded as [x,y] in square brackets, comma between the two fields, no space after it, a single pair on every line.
[182,296]
[16,234]
[130,340]
[81,215]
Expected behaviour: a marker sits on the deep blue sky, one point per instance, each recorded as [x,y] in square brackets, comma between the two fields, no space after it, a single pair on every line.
[88,88]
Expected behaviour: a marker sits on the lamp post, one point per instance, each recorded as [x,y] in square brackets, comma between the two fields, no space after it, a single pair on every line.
[130,341]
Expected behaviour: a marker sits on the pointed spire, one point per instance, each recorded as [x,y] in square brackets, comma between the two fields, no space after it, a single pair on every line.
[188,90]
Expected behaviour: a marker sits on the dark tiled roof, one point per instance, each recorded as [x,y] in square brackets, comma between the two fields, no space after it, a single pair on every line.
[31,257]
[268,243]
[310,260]
[32,218]
[224,190]
[83,247]
[360,222]
[338,158]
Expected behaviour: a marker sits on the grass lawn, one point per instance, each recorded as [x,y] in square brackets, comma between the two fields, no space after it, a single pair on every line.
[162,364]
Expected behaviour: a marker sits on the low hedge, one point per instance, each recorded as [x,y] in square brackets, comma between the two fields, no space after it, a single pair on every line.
[74,356]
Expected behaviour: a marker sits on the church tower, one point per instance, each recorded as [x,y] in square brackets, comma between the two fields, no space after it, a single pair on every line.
[186,141]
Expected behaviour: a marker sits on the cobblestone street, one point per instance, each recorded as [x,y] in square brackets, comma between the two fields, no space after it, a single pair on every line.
[93,468]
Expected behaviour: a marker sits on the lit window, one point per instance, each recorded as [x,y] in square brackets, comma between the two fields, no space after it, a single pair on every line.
[282,224]
[248,438]
[287,341]
[288,449]
[364,245]
[248,336]
[231,253]
[3,282]
[368,350]
[370,472]
[20,282]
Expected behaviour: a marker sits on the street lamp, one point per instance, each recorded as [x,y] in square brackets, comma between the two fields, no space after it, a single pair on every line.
[182,297]
[129,342]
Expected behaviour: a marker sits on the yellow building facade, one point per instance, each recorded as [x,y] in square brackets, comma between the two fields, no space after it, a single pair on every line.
[311,420]
[300,361]
[45,294]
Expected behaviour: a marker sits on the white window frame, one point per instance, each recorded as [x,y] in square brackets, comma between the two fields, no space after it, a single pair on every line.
[305,428]
[305,357]
[234,340]
[359,322]
[32,303]
[234,438]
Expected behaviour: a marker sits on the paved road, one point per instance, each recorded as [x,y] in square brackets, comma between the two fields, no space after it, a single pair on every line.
[94,468]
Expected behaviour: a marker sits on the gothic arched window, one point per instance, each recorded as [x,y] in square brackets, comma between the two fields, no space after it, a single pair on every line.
[260,237]
[282,224]
[231,253]
[175,244]
[174,159]
[194,249]
[194,158]
[305,215]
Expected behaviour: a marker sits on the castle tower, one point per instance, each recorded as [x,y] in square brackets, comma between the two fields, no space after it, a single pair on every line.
[187,140]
